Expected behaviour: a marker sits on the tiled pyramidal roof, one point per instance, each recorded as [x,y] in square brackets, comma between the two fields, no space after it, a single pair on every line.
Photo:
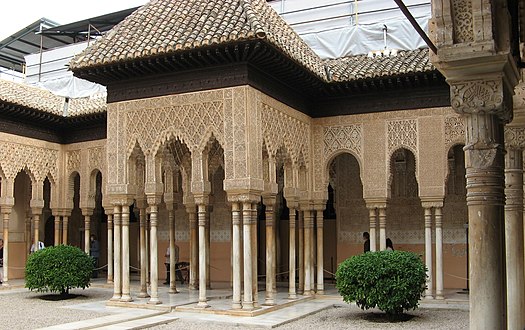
[366,67]
[43,100]
[162,27]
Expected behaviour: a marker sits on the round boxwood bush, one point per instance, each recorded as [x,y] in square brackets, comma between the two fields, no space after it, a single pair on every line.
[58,269]
[392,281]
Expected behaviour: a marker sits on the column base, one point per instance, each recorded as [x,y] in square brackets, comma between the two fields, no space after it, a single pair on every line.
[173,291]
[320,292]
[193,287]
[429,297]
[236,306]
[440,297]
[126,298]
[269,302]
[307,293]
[115,298]
[203,304]
[248,306]
[154,301]
[143,295]
[292,296]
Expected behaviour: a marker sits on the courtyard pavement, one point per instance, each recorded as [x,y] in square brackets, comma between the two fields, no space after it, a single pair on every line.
[91,310]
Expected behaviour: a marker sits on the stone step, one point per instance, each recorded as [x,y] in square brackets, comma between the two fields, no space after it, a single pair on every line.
[142,323]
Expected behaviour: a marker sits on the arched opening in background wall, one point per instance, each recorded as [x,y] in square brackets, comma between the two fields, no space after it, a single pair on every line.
[455,222]
[47,216]
[405,224]
[76,221]
[343,235]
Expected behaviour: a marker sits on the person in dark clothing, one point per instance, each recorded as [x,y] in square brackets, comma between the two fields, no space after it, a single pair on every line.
[94,252]
[1,260]
[366,237]
[389,245]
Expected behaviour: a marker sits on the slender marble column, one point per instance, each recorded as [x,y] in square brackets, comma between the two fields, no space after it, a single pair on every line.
[312,254]
[291,286]
[372,215]
[143,252]
[126,294]
[320,252]
[301,252]
[6,211]
[236,241]
[117,278]
[87,232]
[27,233]
[194,245]
[439,253]
[382,229]
[248,256]
[428,252]
[65,225]
[171,224]
[514,239]
[154,267]
[269,299]
[36,235]
[207,246]
[255,279]
[110,248]
[307,252]
[57,230]
[202,257]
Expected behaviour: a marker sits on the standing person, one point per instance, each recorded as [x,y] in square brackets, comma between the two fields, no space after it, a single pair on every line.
[94,252]
[366,237]
[167,263]
[1,260]
[389,245]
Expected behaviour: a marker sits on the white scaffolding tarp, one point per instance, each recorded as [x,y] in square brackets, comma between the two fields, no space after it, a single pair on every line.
[337,28]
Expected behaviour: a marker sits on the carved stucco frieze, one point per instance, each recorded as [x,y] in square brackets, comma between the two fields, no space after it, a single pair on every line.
[38,161]
[73,159]
[402,134]
[515,137]
[348,138]
[463,22]
[281,129]
[96,158]
[454,131]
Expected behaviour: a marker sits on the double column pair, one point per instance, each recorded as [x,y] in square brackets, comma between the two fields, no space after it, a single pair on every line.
[121,275]
[61,228]
[248,258]
[311,252]
[375,212]
[434,208]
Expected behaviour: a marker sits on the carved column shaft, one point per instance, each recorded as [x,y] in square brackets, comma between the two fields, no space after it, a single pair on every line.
[439,253]
[485,200]
[65,226]
[202,257]
[117,284]
[301,246]
[110,248]
[154,263]
[6,211]
[248,256]
[57,230]
[514,239]
[372,215]
[270,251]
[126,294]
[171,225]
[143,252]
[382,228]
[308,226]
[237,260]
[87,232]
[291,286]
[194,246]
[428,252]
[320,253]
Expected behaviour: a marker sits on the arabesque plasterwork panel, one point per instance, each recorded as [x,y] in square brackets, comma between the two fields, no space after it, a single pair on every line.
[40,161]
[402,134]
[454,131]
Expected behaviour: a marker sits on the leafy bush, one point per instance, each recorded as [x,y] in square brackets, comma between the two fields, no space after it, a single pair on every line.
[58,269]
[392,281]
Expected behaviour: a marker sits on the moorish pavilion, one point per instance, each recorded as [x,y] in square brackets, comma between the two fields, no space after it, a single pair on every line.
[224,133]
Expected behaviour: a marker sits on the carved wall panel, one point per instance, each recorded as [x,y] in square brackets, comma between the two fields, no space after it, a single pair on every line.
[38,160]
[463,22]
[402,134]
[283,126]
[454,131]
[515,137]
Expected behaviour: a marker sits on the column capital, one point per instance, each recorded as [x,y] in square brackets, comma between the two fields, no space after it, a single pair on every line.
[122,199]
[430,202]
[269,199]
[87,211]
[154,198]
[244,197]
[376,203]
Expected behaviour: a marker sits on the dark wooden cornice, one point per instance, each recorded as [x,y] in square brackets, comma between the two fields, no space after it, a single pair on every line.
[28,122]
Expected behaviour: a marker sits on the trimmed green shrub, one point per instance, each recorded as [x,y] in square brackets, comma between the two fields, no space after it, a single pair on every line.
[392,281]
[58,269]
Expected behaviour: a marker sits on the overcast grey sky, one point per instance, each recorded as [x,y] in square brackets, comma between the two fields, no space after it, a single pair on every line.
[17,14]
